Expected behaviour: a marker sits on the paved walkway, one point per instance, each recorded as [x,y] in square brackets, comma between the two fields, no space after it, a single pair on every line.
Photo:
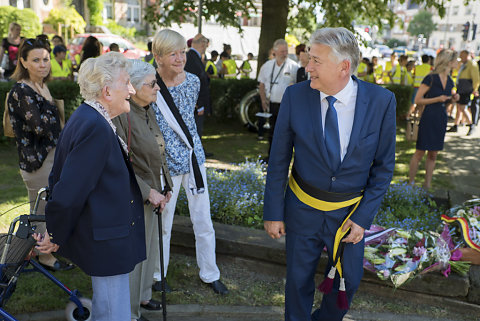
[462,154]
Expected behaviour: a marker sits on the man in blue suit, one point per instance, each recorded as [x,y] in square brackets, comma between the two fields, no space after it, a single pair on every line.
[343,132]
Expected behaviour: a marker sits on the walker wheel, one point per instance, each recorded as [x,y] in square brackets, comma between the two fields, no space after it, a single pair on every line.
[72,312]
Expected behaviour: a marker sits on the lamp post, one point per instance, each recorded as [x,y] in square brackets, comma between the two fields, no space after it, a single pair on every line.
[200,4]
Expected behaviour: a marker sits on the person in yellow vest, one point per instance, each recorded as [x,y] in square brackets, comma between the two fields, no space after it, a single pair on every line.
[389,65]
[230,67]
[245,69]
[370,75]
[377,70]
[149,57]
[419,73]
[61,65]
[210,66]
[399,73]
[410,70]
[57,41]
[362,68]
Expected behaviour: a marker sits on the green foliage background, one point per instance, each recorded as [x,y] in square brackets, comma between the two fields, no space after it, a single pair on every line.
[26,18]
[66,16]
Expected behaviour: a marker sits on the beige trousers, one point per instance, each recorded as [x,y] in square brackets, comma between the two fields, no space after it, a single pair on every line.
[141,278]
[35,181]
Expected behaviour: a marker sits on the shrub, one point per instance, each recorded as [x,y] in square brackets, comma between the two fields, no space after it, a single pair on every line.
[236,196]
[26,18]
[403,95]
[226,95]
[66,16]
[117,29]
[408,207]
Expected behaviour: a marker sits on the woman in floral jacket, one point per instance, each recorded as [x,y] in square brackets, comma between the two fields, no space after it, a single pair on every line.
[36,123]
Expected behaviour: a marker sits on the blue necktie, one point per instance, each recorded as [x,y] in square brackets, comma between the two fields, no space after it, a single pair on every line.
[332,138]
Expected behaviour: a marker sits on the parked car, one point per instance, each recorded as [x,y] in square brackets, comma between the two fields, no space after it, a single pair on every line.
[401,50]
[126,47]
[384,50]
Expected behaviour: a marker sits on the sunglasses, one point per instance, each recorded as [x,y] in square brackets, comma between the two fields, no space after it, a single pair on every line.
[151,84]
[37,42]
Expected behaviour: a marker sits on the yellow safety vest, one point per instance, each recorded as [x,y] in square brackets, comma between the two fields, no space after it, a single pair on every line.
[370,78]
[214,68]
[362,67]
[409,78]
[64,70]
[388,67]
[231,68]
[420,73]
[378,72]
[246,69]
[399,77]
[149,61]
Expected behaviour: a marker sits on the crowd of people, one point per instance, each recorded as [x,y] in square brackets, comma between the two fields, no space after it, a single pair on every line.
[136,139]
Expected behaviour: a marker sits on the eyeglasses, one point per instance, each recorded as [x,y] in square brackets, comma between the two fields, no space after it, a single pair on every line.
[151,84]
[33,42]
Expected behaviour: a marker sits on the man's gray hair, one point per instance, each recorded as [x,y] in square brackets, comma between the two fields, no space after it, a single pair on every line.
[343,43]
[279,42]
[138,71]
[96,73]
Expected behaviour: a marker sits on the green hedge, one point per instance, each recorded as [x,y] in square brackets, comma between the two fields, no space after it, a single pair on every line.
[403,95]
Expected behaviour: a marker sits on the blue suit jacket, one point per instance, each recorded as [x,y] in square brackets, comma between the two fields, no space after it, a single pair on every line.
[95,208]
[368,164]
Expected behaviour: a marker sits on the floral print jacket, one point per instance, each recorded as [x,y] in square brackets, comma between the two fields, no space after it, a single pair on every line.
[36,124]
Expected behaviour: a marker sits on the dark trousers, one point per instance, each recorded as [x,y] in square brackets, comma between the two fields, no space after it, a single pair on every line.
[274,109]
[303,254]
[474,106]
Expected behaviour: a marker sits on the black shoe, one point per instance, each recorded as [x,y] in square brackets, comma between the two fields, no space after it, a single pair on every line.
[157,287]
[142,319]
[471,130]
[218,287]
[58,266]
[152,305]
[453,129]
[208,154]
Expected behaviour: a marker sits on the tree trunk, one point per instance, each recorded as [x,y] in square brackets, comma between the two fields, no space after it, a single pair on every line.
[273,27]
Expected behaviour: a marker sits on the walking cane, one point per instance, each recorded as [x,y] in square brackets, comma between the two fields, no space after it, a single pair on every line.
[162,268]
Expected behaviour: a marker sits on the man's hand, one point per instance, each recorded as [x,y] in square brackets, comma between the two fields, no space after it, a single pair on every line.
[275,229]
[155,198]
[356,232]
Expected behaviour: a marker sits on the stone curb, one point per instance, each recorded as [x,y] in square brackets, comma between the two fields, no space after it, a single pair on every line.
[200,312]
[255,245]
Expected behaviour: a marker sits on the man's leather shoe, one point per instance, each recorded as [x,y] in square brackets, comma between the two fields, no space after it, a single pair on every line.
[218,287]
[142,319]
[152,305]
[58,266]
[157,287]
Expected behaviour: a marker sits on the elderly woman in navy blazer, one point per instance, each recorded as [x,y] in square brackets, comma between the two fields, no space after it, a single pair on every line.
[94,211]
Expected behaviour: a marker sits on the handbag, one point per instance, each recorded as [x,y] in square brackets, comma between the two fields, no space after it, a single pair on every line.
[411,133]
[7,125]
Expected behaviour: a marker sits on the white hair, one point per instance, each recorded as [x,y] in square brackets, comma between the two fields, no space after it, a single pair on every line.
[138,71]
[167,41]
[96,73]
[343,43]
[279,42]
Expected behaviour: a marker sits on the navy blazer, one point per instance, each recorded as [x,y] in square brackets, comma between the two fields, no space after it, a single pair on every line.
[95,208]
[194,65]
[368,164]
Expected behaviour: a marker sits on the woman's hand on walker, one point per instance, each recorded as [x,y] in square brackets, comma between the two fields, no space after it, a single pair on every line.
[43,243]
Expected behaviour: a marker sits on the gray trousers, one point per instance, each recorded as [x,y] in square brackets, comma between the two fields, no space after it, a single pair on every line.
[141,278]
[110,301]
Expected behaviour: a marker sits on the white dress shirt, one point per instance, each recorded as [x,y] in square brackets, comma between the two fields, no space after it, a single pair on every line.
[277,78]
[345,107]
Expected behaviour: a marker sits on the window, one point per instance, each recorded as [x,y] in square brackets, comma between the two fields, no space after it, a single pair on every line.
[20,4]
[133,11]
[107,10]
[455,11]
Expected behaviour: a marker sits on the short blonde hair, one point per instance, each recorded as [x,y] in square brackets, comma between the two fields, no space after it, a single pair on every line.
[442,60]
[167,41]
[96,73]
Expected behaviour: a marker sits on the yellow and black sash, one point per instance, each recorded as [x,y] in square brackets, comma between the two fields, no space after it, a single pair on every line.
[327,201]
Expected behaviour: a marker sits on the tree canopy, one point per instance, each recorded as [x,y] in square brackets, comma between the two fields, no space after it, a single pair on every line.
[422,24]
[66,16]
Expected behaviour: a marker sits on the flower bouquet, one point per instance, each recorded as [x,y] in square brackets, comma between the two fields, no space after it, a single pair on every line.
[464,222]
[399,255]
